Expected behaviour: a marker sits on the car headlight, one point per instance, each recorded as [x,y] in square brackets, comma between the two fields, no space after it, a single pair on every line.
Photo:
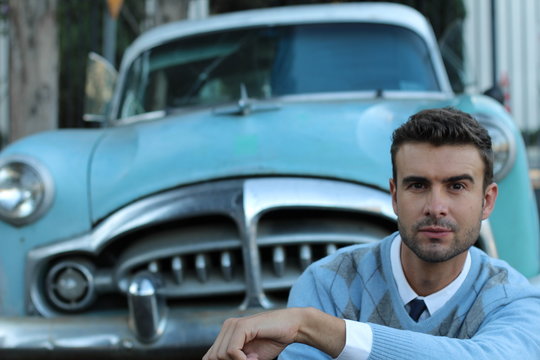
[503,143]
[26,190]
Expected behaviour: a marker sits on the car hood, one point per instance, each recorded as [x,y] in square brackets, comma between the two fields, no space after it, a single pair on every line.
[341,140]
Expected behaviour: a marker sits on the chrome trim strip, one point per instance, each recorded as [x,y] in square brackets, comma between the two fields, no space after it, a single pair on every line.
[276,102]
[487,239]
[152,115]
[264,194]
[361,95]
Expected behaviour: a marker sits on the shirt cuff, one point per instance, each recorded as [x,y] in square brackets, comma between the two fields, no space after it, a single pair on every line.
[358,341]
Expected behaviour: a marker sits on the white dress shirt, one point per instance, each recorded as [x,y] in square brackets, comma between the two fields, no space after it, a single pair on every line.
[359,336]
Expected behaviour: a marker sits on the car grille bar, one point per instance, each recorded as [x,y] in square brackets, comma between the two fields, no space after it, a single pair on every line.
[177,266]
[278,260]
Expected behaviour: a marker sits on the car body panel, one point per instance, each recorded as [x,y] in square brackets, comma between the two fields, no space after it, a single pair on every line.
[236,146]
[70,174]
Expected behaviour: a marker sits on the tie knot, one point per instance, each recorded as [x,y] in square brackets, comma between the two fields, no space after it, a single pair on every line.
[416,308]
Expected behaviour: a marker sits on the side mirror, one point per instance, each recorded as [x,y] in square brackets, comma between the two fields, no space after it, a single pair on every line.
[100,81]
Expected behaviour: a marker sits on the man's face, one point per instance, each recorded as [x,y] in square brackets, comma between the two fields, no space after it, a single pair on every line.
[439,198]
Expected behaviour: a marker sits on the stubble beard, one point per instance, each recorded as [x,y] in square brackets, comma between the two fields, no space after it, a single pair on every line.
[432,253]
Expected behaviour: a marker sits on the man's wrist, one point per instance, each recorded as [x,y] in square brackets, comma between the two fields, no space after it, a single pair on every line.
[320,330]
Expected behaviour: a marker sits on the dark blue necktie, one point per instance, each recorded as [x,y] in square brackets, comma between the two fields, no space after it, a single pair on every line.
[416,308]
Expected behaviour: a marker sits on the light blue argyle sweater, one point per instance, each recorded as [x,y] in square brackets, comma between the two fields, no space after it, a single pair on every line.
[495,314]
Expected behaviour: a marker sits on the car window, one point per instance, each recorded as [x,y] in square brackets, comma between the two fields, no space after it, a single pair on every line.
[277,61]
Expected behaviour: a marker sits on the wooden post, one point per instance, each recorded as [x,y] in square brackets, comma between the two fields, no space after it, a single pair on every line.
[34,67]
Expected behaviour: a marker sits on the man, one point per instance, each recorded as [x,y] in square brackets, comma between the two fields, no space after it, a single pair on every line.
[422,293]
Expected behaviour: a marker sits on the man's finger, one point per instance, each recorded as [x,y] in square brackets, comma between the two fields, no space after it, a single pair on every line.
[229,343]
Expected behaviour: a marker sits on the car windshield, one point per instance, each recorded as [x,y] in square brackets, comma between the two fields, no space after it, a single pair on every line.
[269,62]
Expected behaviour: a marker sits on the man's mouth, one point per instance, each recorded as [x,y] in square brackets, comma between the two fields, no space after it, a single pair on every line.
[435,232]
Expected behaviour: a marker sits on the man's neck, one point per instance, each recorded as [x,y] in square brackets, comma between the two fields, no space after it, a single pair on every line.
[426,278]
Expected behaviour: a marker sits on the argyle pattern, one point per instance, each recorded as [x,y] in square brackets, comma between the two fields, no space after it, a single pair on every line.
[357,283]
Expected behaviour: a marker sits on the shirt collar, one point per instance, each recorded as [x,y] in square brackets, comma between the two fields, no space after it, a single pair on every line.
[434,301]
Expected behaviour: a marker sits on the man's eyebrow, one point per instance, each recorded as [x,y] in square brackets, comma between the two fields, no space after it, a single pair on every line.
[414,179]
[458,178]
[452,179]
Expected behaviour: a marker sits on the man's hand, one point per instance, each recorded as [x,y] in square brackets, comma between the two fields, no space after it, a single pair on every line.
[264,336]
[258,337]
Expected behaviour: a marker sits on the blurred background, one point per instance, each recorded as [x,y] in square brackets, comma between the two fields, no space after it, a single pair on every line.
[488,45]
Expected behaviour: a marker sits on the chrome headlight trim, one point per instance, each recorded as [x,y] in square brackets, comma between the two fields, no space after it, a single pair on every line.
[503,143]
[32,187]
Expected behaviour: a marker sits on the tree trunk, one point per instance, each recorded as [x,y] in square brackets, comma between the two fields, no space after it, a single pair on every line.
[33,67]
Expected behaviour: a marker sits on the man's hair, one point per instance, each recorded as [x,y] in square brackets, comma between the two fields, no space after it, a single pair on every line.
[445,126]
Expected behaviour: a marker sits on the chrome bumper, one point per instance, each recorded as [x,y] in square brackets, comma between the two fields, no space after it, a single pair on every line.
[184,335]
[150,330]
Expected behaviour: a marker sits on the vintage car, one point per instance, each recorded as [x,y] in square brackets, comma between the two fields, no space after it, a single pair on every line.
[235,151]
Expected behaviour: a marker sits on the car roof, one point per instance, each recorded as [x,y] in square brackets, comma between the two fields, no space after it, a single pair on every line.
[386,13]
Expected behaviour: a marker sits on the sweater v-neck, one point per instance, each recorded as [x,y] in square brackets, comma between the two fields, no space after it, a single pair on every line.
[397,303]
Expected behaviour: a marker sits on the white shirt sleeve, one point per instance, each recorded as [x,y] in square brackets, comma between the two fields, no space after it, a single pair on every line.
[358,341]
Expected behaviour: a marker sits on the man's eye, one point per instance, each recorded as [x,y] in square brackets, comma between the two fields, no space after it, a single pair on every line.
[458,186]
[417,186]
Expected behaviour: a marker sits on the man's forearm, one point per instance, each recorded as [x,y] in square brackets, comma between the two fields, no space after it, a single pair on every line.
[264,336]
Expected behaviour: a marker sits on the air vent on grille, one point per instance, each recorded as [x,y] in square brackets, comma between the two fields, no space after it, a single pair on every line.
[199,258]
[290,240]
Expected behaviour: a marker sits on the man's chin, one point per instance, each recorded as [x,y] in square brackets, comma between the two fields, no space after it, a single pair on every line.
[433,258]
[434,252]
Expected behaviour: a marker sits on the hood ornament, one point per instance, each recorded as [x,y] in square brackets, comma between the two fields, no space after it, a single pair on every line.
[246,105]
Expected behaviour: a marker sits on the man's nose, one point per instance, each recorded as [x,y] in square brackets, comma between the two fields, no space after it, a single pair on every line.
[436,204]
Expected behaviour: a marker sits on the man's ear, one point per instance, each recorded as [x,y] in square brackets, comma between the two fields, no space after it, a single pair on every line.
[490,196]
[393,193]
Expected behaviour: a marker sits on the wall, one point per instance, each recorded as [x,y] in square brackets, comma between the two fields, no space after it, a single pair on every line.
[517,54]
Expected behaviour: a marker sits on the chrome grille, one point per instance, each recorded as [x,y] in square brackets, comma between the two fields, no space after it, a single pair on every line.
[232,239]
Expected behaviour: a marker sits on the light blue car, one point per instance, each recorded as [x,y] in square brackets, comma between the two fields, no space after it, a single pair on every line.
[235,151]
